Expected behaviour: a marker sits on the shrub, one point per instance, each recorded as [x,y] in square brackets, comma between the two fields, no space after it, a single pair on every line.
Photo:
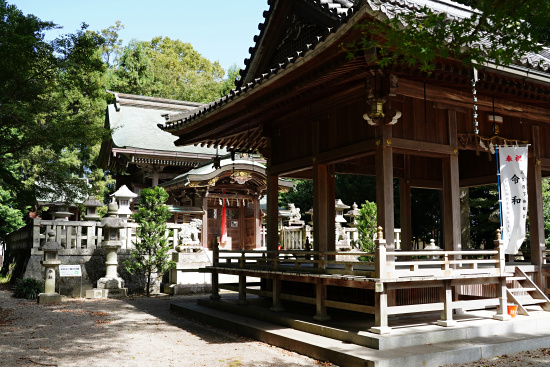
[28,288]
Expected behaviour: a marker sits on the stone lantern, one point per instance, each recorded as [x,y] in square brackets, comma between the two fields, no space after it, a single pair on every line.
[340,206]
[353,214]
[341,238]
[111,285]
[50,262]
[124,197]
[61,212]
[91,206]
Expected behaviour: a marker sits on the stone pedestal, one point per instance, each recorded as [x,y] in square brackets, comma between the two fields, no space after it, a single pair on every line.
[111,285]
[49,295]
[185,278]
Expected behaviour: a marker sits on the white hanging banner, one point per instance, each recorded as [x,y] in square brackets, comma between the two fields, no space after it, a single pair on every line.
[513,192]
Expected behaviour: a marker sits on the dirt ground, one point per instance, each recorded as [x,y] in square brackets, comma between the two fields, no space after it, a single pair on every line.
[132,332]
[140,331]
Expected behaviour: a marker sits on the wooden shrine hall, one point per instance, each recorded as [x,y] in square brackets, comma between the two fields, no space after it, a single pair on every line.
[313,113]
[237,184]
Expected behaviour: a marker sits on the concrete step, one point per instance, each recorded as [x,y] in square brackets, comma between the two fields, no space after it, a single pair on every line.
[341,353]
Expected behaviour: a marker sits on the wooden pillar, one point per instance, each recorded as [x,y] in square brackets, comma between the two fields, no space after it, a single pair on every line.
[320,207]
[215,278]
[384,184]
[451,204]
[536,216]
[446,296]
[257,223]
[277,306]
[242,226]
[451,192]
[405,207]
[502,312]
[155,176]
[331,210]
[381,310]
[272,213]
[204,231]
[320,297]
[242,290]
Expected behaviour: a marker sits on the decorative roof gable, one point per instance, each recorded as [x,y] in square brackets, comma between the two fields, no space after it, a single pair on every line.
[298,23]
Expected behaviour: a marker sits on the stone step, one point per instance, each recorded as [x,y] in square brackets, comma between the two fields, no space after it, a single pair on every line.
[488,343]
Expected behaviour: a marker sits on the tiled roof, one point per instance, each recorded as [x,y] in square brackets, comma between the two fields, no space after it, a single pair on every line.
[342,11]
[134,119]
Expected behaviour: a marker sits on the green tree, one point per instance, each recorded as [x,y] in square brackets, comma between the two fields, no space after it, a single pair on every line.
[229,83]
[11,218]
[499,31]
[51,105]
[168,68]
[366,226]
[113,44]
[151,253]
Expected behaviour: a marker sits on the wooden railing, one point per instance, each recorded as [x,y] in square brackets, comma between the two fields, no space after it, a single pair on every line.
[381,264]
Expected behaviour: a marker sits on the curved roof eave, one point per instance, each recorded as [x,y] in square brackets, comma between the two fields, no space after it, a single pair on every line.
[376,8]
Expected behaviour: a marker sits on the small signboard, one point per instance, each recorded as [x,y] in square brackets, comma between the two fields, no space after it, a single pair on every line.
[70,271]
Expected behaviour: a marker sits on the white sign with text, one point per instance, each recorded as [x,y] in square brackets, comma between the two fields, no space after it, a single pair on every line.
[70,271]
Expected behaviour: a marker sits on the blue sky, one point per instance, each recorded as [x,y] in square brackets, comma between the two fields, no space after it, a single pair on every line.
[220,30]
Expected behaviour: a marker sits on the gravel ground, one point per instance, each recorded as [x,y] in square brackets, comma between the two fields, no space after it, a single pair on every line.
[132,332]
[142,331]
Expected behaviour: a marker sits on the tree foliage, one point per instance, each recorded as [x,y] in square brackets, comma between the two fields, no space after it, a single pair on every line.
[11,218]
[152,252]
[499,31]
[168,68]
[112,47]
[51,105]
[366,226]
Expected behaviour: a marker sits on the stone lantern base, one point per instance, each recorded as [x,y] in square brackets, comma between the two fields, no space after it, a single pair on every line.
[108,288]
[46,298]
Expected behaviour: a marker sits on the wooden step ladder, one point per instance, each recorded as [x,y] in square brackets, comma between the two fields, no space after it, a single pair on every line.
[534,295]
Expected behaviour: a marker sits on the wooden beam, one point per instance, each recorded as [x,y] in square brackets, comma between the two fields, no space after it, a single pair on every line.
[462,99]
[356,150]
[421,148]
[296,165]
[426,184]
[478,181]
